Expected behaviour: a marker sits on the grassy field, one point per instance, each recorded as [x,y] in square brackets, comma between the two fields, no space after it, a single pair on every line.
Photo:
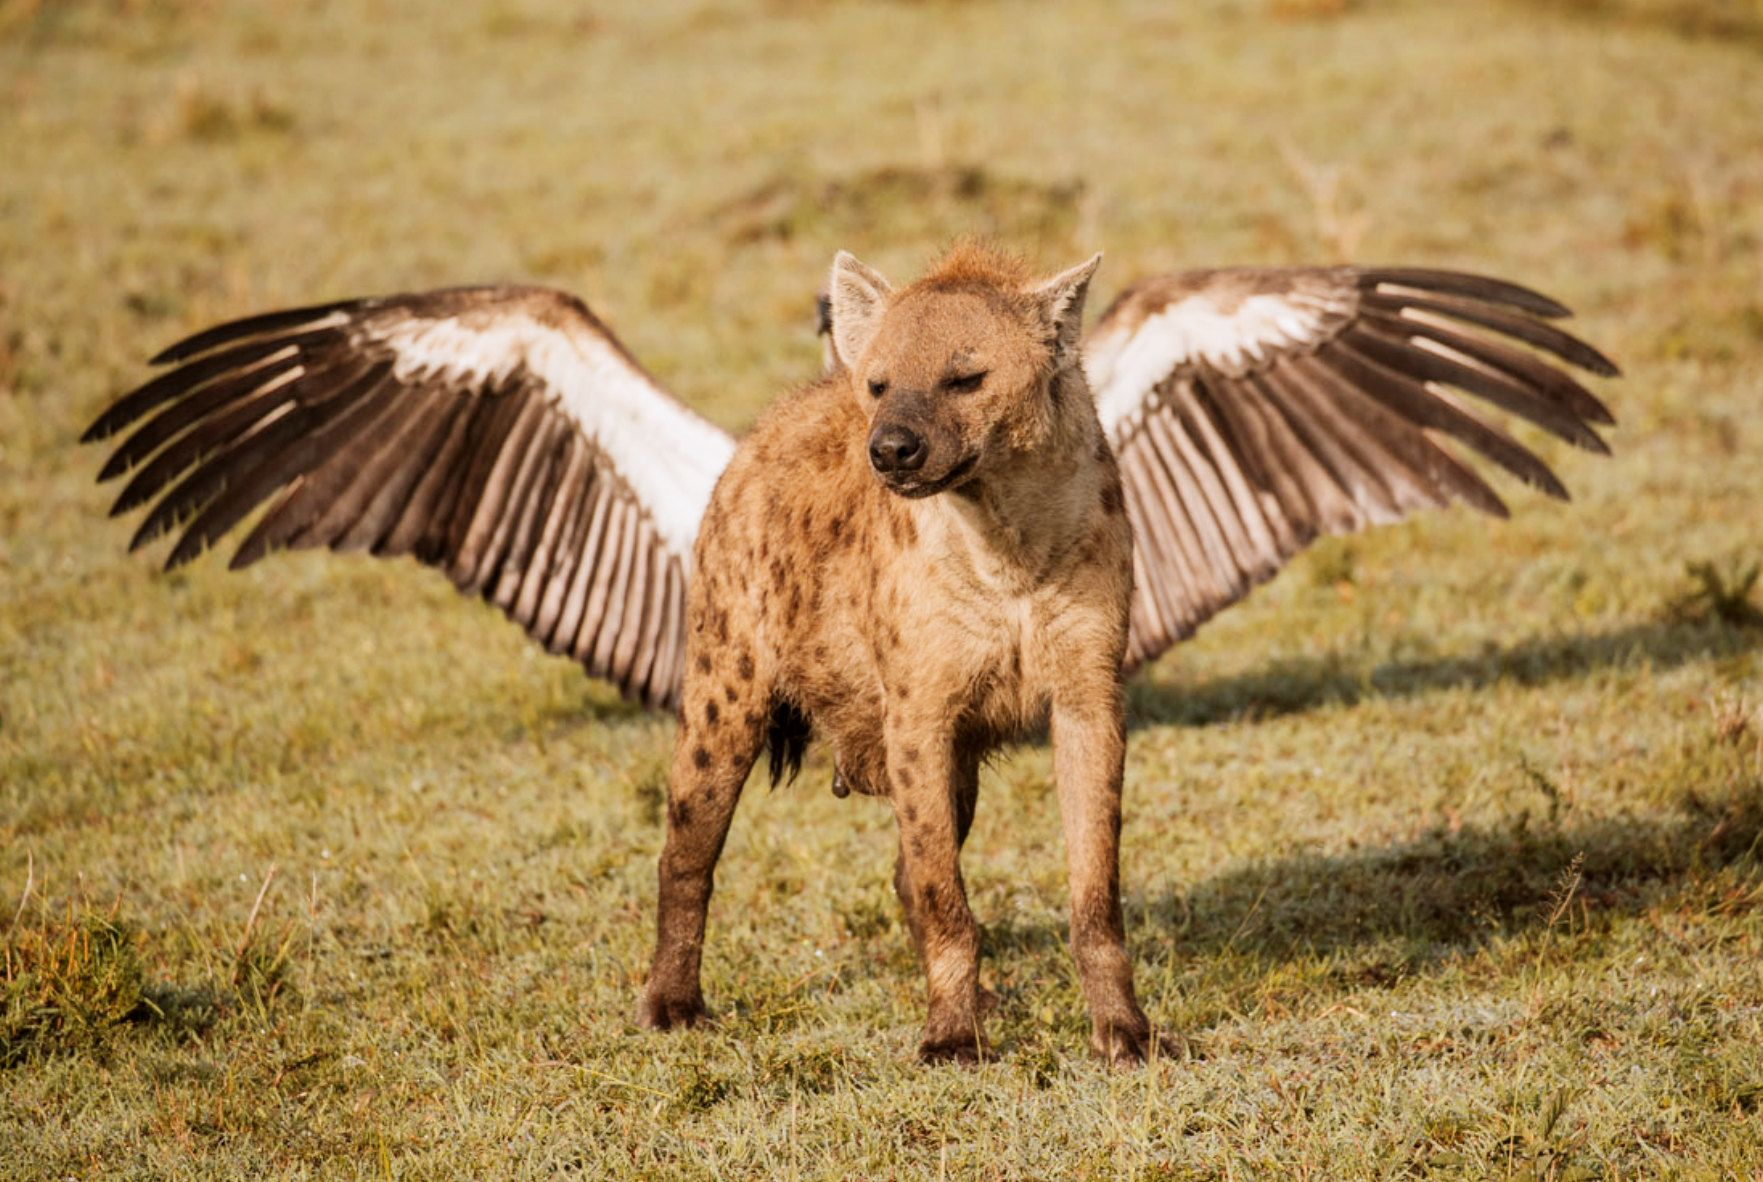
[1443,851]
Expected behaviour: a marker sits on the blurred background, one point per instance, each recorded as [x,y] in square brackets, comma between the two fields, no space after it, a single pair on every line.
[689,167]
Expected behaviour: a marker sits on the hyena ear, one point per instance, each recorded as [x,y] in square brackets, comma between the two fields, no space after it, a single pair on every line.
[1061,303]
[858,296]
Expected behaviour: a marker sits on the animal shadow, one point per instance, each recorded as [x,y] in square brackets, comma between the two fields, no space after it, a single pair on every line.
[1379,914]
[1447,891]
[1298,685]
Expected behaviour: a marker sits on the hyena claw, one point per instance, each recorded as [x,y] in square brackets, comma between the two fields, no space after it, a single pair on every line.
[965,1051]
[656,1012]
[1120,1047]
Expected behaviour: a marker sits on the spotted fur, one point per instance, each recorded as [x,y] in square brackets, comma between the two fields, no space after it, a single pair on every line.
[918,619]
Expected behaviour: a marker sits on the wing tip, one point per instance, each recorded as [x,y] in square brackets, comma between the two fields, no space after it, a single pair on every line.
[1469,283]
[246,555]
[260,324]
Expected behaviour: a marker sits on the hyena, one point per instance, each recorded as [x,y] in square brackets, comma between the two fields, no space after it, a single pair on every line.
[920,557]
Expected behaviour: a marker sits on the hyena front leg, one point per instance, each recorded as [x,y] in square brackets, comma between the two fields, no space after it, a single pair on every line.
[1089,751]
[923,783]
[721,729]
[966,792]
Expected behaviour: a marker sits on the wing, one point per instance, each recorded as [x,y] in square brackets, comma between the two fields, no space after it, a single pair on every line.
[1253,410]
[500,434]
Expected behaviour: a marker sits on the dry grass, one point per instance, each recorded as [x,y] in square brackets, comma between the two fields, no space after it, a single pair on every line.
[1443,851]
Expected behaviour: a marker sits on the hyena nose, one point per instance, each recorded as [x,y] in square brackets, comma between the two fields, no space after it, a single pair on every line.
[894,448]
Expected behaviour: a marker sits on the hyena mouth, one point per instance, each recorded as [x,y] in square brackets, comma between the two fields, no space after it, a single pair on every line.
[915,489]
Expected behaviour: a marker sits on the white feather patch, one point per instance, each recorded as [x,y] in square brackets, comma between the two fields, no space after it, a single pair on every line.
[1124,364]
[670,456]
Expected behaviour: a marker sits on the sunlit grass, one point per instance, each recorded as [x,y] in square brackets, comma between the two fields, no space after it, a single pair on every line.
[1443,851]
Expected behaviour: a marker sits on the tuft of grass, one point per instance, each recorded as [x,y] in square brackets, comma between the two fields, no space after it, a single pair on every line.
[1737,20]
[906,203]
[66,982]
[74,979]
[1720,596]
[196,111]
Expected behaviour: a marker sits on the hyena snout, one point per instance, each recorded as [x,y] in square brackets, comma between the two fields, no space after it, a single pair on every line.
[896,448]
[916,452]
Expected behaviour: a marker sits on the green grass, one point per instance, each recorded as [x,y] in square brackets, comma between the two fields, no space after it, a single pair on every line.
[1443,850]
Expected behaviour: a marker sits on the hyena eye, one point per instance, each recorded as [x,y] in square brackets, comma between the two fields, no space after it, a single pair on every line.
[877,387]
[965,384]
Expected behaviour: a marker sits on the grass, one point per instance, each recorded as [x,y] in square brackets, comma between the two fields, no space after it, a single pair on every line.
[1443,851]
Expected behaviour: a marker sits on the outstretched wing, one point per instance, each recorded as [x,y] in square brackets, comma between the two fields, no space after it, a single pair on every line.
[1255,409]
[501,434]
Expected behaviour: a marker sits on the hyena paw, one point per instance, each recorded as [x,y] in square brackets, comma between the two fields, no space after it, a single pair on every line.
[962,1049]
[1131,1046]
[659,1011]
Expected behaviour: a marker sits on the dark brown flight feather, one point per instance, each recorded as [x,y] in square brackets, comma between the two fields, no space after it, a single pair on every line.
[1272,424]
[356,439]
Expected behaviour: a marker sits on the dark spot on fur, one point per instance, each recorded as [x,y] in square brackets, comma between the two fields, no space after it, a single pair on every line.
[1111,499]
[700,758]
[910,813]
[905,778]
[916,845]
[712,713]
[744,667]
[1102,453]
[730,694]
[703,663]
[930,895]
[909,755]
[678,812]
[901,692]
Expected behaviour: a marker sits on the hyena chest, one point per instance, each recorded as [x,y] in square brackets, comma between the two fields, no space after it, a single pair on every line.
[983,656]
[971,669]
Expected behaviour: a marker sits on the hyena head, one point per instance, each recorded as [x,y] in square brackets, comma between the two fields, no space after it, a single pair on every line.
[958,373]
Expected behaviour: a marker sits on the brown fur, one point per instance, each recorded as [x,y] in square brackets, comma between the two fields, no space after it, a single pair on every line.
[918,619]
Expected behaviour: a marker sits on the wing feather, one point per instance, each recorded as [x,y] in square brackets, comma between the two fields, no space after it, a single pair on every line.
[529,580]
[1253,410]
[552,585]
[501,434]
[581,587]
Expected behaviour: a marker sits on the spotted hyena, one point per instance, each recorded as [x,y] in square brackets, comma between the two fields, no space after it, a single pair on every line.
[920,557]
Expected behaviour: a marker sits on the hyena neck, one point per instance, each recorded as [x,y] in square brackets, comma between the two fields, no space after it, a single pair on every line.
[1018,522]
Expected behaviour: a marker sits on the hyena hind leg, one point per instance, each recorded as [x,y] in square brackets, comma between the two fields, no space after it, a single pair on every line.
[721,731]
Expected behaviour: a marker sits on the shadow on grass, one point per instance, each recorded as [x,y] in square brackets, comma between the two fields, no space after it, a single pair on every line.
[1296,686]
[1420,901]
[1446,891]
